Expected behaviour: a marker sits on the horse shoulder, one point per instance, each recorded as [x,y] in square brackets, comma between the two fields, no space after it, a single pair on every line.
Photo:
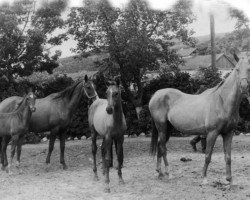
[10,104]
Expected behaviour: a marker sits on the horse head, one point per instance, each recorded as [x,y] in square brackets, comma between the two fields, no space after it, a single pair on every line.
[243,69]
[31,99]
[89,88]
[113,96]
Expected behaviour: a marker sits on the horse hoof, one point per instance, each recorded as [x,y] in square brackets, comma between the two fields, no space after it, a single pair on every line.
[169,175]
[17,164]
[65,167]
[205,181]
[96,178]
[107,190]
[121,182]
[161,176]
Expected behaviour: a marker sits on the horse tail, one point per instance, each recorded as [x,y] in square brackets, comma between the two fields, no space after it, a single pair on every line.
[154,139]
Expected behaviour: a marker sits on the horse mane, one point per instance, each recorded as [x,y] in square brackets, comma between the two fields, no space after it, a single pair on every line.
[219,85]
[67,92]
[20,104]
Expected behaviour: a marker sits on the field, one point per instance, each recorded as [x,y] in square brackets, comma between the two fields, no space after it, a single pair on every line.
[35,180]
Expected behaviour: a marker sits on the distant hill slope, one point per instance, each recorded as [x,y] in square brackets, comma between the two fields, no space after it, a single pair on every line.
[74,64]
[204,38]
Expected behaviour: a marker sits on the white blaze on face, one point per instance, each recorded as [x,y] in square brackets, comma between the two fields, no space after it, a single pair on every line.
[31,96]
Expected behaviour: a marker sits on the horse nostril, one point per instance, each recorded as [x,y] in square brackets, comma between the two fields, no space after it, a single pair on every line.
[109,110]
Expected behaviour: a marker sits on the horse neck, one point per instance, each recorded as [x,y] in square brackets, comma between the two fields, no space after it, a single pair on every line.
[24,111]
[75,99]
[230,94]
[118,112]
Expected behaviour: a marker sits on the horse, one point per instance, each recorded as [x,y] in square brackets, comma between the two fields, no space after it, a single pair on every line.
[15,124]
[213,112]
[106,118]
[54,113]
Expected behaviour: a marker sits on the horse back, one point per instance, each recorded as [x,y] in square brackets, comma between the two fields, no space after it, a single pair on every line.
[49,113]
[161,102]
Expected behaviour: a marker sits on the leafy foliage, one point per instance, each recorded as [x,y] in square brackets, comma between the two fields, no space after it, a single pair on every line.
[136,38]
[24,32]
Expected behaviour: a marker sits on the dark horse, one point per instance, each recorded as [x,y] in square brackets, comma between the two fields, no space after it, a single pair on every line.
[53,113]
[106,118]
[213,112]
[15,124]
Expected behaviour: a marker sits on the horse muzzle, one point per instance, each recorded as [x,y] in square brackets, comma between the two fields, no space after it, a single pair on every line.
[33,109]
[109,110]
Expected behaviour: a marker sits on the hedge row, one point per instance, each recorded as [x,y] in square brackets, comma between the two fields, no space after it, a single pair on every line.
[172,78]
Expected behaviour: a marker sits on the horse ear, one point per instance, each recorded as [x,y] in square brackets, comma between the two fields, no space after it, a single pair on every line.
[86,78]
[117,82]
[108,83]
[236,57]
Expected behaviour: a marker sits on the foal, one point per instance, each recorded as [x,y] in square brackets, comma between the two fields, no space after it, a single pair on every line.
[16,124]
[106,118]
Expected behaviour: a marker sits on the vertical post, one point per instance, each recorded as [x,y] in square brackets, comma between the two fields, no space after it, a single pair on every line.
[212,34]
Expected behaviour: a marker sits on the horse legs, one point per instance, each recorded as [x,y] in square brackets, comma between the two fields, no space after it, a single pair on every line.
[62,138]
[103,155]
[19,150]
[162,150]
[52,140]
[111,155]
[4,158]
[94,150]
[227,141]
[119,152]
[15,139]
[211,138]
[107,148]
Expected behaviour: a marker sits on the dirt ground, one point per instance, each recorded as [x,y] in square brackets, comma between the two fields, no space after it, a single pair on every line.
[35,180]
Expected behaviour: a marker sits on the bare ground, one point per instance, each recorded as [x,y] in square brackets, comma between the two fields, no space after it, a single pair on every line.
[35,180]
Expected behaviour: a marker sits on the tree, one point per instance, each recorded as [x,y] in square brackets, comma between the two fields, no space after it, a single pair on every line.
[242,30]
[137,38]
[24,34]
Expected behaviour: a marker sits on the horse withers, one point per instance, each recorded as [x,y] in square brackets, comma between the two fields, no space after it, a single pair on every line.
[213,112]
[16,125]
[106,118]
[54,113]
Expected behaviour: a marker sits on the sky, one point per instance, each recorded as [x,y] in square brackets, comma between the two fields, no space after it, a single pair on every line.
[201,9]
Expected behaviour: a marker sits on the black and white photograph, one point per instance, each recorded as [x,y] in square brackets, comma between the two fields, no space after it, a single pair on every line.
[125,99]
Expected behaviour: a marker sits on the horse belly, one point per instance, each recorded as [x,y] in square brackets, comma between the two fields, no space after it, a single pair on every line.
[102,121]
[39,122]
[188,120]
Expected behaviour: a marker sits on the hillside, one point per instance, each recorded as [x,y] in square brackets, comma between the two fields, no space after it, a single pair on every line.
[204,38]
[74,64]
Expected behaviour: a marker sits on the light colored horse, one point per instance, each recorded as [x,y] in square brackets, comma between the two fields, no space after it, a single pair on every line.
[15,124]
[106,118]
[54,113]
[213,112]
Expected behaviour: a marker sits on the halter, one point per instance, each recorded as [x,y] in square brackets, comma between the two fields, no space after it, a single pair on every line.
[247,86]
[90,97]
